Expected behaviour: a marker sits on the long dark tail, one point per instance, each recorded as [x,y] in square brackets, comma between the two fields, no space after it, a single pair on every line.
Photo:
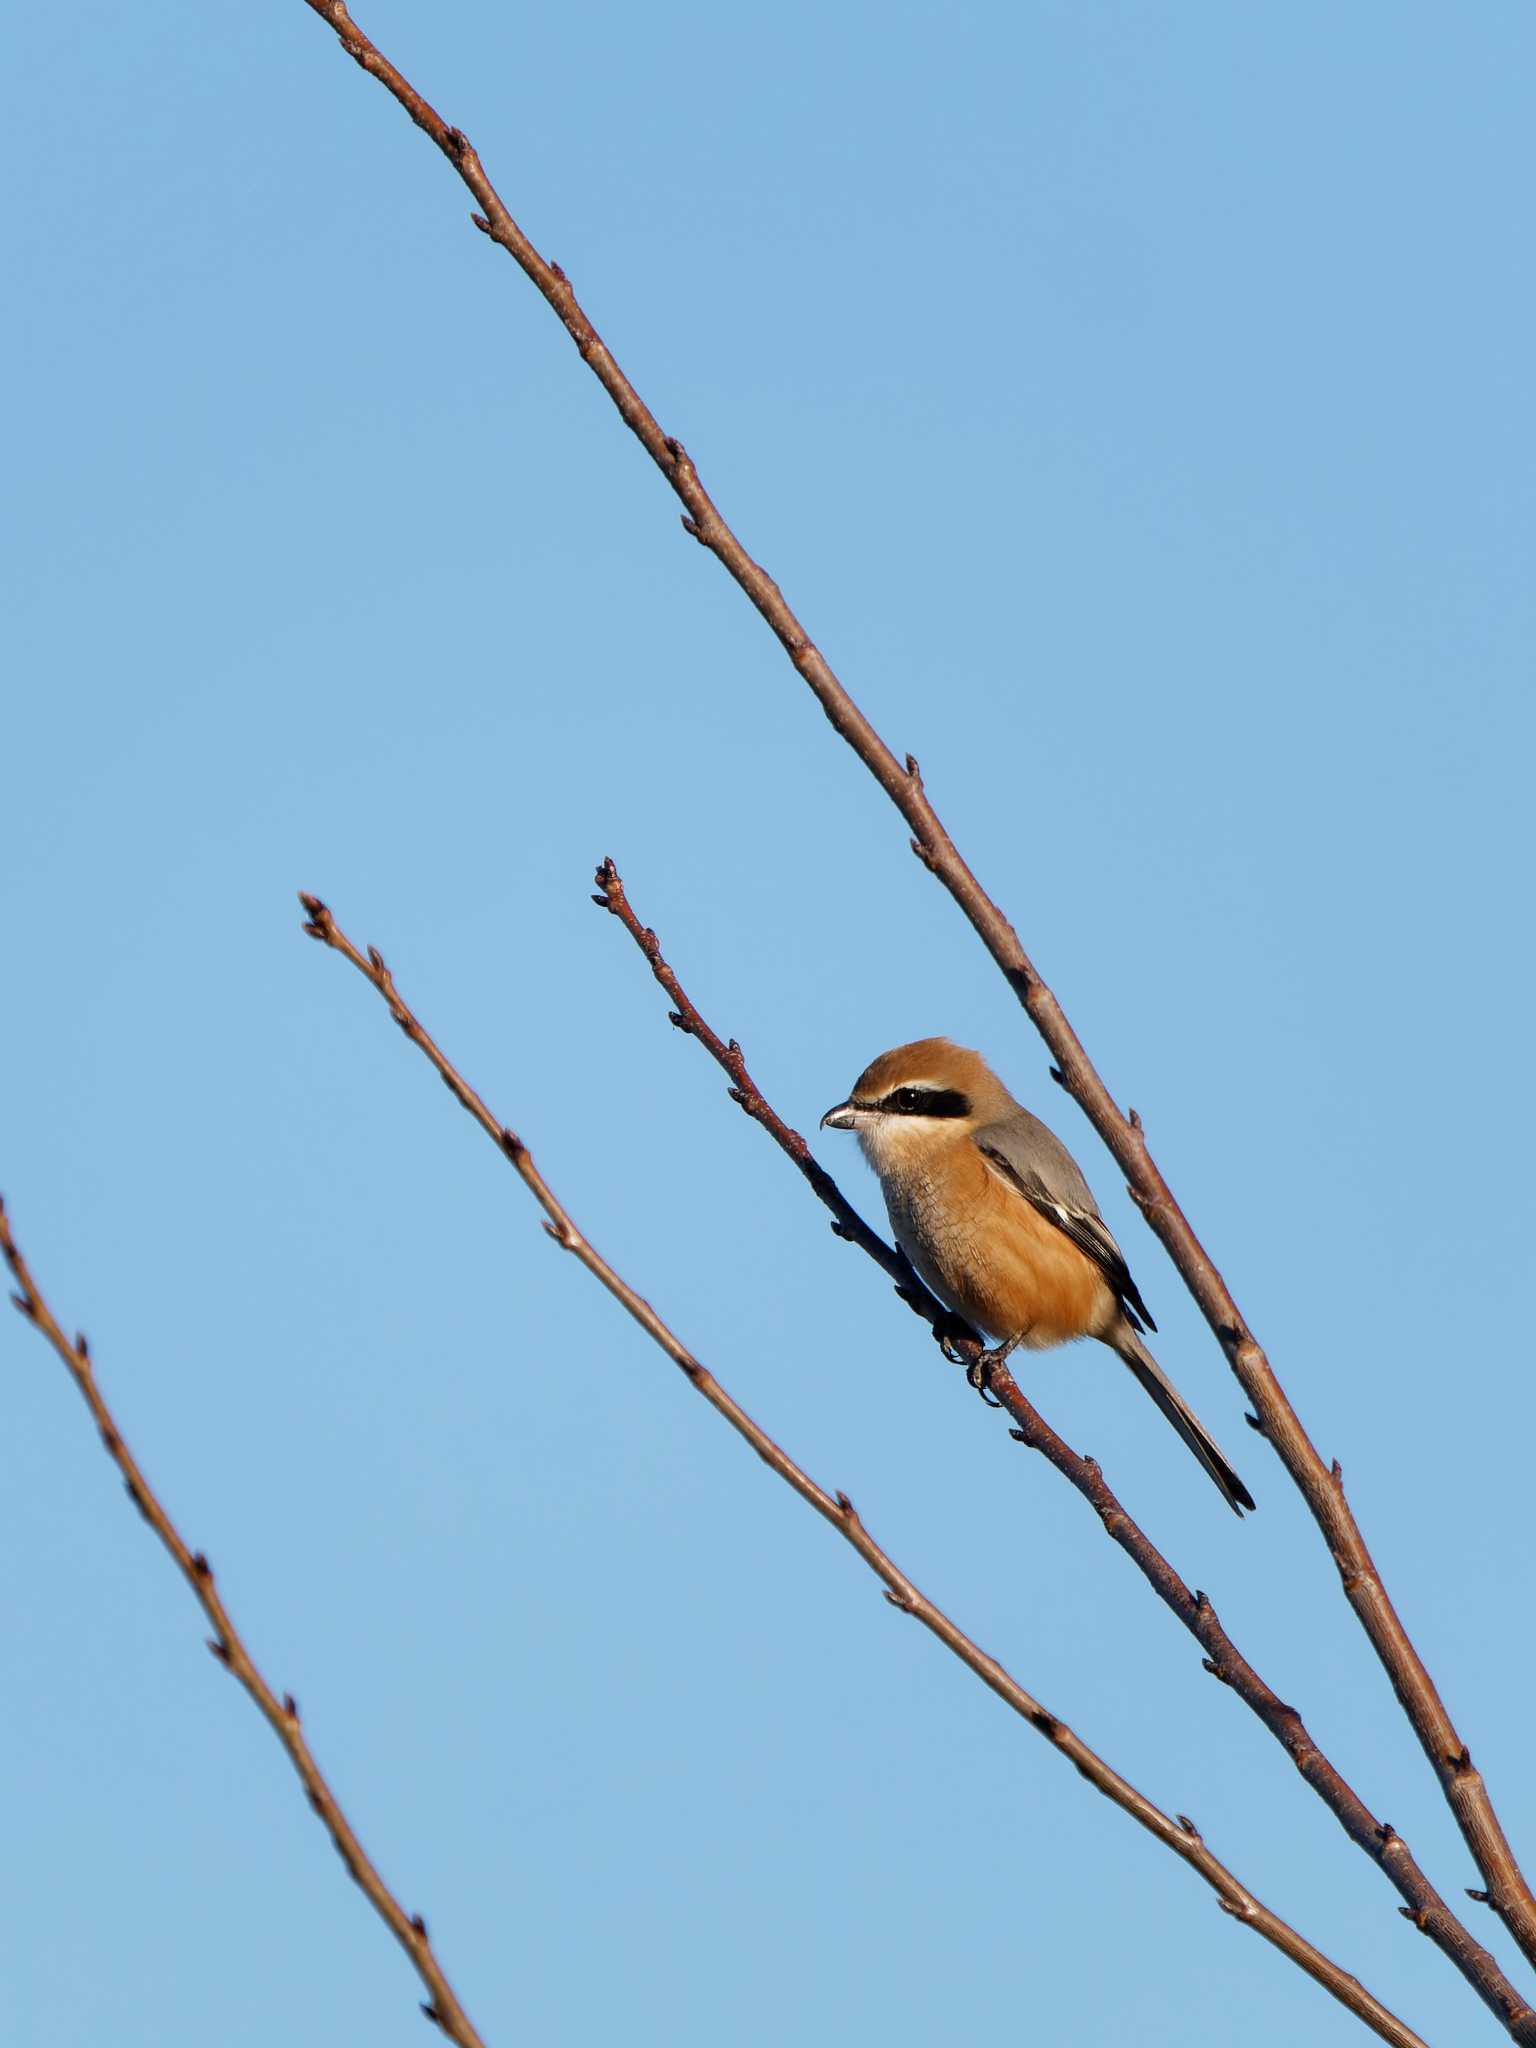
[1172,1403]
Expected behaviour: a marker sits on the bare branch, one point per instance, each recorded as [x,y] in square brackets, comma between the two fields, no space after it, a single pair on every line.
[1175,1832]
[1321,1485]
[1424,1905]
[745,1092]
[282,1715]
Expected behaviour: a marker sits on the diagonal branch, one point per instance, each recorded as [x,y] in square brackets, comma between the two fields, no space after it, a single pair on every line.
[1423,1905]
[1321,1485]
[282,1715]
[1175,1832]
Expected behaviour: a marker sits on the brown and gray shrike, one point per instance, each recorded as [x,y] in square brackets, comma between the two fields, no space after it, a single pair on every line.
[994,1213]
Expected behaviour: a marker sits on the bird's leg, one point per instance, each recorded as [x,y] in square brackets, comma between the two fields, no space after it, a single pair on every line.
[981,1368]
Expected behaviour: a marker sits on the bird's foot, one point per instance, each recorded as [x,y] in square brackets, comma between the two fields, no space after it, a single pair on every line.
[979,1371]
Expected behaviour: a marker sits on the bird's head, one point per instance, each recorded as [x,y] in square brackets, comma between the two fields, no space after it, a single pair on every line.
[916,1096]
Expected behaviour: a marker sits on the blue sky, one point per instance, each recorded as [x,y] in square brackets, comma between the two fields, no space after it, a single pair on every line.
[1134,403]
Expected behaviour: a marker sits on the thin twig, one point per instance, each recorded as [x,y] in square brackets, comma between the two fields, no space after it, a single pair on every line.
[1321,1485]
[282,1715]
[1177,1833]
[1424,1906]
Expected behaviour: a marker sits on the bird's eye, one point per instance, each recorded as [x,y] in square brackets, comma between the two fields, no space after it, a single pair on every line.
[909,1098]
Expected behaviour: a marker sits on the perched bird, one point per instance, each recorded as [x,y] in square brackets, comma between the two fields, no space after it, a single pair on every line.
[994,1213]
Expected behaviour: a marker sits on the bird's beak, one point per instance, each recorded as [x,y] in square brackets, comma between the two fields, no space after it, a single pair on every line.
[841,1117]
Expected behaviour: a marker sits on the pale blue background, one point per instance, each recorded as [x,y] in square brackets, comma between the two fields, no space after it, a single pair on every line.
[1134,400]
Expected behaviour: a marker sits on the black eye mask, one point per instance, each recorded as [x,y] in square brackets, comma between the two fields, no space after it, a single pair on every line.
[923,1101]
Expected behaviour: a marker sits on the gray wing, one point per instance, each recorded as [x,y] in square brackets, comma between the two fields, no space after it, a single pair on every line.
[1034,1160]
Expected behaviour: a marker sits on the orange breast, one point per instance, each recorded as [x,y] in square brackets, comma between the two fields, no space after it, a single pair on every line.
[986,1252]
